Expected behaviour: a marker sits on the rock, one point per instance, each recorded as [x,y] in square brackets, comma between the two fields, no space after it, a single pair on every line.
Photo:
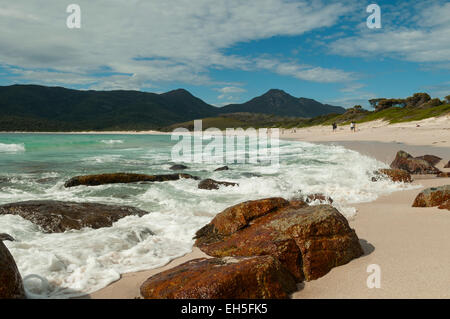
[320,197]
[223,168]
[178,167]
[432,159]
[260,277]
[433,196]
[57,217]
[212,184]
[308,240]
[4,237]
[11,285]
[396,175]
[413,165]
[101,179]
[445,205]
[443,174]
[448,165]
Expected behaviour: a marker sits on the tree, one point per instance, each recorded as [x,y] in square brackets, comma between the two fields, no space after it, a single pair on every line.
[447,98]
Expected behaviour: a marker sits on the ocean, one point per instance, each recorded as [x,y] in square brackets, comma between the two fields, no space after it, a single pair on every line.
[74,263]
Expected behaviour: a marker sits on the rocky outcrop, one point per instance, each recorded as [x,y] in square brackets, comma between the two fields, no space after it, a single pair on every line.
[4,237]
[260,277]
[395,175]
[178,167]
[413,165]
[433,196]
[56,216]
[447,165]
[308,240]
[211,184]
[113,178]
[11,285]
[223,168]
[432,159]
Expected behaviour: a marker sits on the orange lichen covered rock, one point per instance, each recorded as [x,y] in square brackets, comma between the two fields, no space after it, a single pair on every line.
[259,277]
[308,240]
[433,196]
[396,175]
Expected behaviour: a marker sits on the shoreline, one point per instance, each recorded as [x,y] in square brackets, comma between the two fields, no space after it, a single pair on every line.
[386,228]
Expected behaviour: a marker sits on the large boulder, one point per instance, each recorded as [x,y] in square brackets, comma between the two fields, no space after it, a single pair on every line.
[395,175]
[113,178]
[11,285]
[260,277]
[308,240]
[56,216]
[413,165]
[433,196]
[211,184]
[447,165]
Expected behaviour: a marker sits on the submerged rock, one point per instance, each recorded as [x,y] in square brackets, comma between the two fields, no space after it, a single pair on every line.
[178,167]
[11,285]
[223,168]
[413,165]
[260,277]
[101,179]
[58,217]
[396,175]
[433,196]
[210,184]
[4,237]
[308,240]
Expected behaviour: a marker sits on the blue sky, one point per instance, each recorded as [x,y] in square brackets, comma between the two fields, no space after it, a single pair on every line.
[229,51]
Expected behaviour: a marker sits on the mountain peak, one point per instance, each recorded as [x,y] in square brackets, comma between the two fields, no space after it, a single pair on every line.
[276,92]
[178,92]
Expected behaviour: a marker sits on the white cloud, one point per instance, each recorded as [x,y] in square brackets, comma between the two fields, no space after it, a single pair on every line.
[425,39]
[304,72]
[150,41]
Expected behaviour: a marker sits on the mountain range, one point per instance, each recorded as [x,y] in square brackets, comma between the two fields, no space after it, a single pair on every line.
[41,108]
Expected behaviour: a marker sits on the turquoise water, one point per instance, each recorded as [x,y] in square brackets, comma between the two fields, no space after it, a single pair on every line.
[35,167]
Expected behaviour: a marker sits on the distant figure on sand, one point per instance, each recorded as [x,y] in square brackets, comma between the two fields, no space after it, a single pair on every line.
[353,126]
[334,127]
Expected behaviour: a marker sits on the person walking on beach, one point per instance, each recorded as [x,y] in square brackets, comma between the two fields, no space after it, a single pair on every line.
[334,127]
[353,126]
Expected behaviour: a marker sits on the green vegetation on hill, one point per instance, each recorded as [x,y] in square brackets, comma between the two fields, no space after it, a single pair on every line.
[391,114]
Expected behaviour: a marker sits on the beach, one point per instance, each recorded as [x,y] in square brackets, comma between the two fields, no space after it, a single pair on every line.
[409,245]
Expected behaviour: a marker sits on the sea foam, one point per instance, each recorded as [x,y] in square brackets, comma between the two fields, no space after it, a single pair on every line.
[12,148]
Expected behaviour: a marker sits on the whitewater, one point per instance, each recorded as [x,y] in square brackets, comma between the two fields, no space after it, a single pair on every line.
[78,262]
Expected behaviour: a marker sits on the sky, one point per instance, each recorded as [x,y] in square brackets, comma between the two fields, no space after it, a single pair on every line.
[229,51]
